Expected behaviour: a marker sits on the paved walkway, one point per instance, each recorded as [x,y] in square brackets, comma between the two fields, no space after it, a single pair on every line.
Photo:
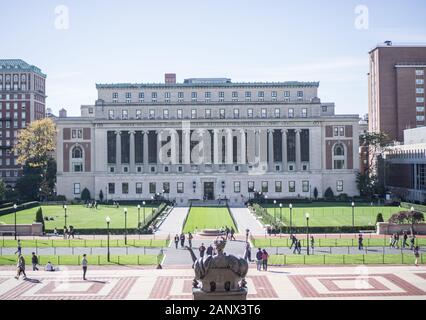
[285,283]
[174,222]
[245,220]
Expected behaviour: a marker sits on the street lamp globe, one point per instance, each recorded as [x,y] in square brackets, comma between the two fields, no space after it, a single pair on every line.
[108,219]
[143,202]
[281,205]
[65,207]
[412,209]
[275,201]
[307,215]
[290,206]
[15,206]
[125,210]
[353,204]
[139,206]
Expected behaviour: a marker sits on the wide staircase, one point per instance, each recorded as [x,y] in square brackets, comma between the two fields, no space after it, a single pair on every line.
[208,203]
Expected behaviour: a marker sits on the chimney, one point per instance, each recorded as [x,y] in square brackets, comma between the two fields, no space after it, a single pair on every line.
[62,113]
[170,78]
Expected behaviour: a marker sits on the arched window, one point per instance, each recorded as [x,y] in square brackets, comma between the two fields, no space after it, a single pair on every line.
[77,153]
[339,157]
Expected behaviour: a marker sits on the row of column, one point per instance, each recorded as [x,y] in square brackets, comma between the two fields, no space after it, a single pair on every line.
[217,154]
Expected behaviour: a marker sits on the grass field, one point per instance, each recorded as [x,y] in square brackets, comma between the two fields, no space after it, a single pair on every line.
[355,259]
[158,243]
[147,259]
[208,218]
[331,214]
[81,217]
[285,242]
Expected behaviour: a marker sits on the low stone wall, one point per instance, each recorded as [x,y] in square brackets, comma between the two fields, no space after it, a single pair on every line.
[390,228]
[35,229]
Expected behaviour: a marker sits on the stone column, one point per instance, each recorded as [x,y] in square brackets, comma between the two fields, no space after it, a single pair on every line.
[229,155]
[216,146]
[271,150]
[118,150]
[132,151]
[284,149]
[298,163]
[145,147]
[243,157]
[186,147]
[173,146]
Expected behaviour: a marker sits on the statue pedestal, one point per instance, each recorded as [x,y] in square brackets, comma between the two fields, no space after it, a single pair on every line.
[199,294]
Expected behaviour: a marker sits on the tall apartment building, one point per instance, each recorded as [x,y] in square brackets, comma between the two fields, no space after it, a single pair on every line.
[397,88]
[22,100]
[206,139]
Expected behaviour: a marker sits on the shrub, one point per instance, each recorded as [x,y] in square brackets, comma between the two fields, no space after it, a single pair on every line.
[315,193]
[379,218]
[329,195]
[39,217]
[85,195]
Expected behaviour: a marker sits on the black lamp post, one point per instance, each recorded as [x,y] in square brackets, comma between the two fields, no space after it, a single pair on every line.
[143,203]
[291,218]
[108,220]
[65,216]
[281,212]
[353,214]
[275,211]
[307,232]
[125,226]
[14,208]
[139,215]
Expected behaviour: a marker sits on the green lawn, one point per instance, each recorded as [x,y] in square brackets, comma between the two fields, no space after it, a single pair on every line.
[285,242]
[208,218]
[158,243]
[147,259]
[345,259]
[81,217]
[331,214]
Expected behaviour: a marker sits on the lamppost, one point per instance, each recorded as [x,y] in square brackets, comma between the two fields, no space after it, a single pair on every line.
[143,203]
[275,210]
[412,221]
[14,208]
[125,226]
[139,215]
[307,232]
[65,216]
[39,192]
[291,218]
[108,220]
[281,212]
[353,214]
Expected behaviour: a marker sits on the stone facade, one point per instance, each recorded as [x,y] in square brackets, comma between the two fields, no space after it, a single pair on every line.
[207,139]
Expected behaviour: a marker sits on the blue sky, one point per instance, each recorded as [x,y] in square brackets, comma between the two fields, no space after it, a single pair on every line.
[269,40]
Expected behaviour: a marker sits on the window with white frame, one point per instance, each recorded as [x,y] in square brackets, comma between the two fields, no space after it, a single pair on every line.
[250,113]
[138,114]
[221,96]
[420,118]
[291,113]
[420,100]
[248,95]
[286,94]
[292,186]
[305,186]
[278,186]
[339,185]
[179,113]
[420,81]
[138,187]
[221,113]
[208,113]
[180,96]
[141,96]
[277,113]
[110,114]
[299,94]
[179,187]
[237,186]
[420,72]
[236,113]
[194,96]
[77,189]
[124,114]
[165,113]
[151,113]
[264,186]
[304,112]
[420,90]
[154,96]
[263,113]
[339,157]
[193,113]
[128,97]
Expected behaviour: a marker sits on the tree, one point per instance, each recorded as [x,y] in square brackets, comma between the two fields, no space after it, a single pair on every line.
[328,194]
[315,193]
[27,186]
[375,142]
[101,196]
[379,218]
[366,184]
[85,195]
[39,217]
[410,217]
[2,189]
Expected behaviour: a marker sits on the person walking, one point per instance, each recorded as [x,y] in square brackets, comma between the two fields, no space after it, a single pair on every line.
[392,241]
[412,242]
[65,232]
[232,233]
[247,252]
[312,242]
[19,248]
[259,259]
[34,261]
[396,240]
[247,234]
[190,237]
[202,249]
[405,238]
[360,242]
[265,257]
[209,250]
[227,232]
[176,240]
[182,240]
[299,247]
[296,245]
[20,268]
[416,255]
[293,241]
[84,265]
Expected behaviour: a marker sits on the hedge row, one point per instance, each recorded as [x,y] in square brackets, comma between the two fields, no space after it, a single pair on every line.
[417,207]
[331,229]
[20,207]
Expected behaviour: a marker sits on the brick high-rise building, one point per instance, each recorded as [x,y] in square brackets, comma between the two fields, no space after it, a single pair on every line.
[22,100]
[396,89]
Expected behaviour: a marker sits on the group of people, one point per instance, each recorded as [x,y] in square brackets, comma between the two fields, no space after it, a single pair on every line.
[395,238]
[229,233]
[297,245]
[92,204]
[181,238]
[262,259]
[68,232]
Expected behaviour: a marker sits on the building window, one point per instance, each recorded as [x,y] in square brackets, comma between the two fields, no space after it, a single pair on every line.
[299,94]
[222,114]
[274,94]
[166,187]
[194,96]
[165,113]
[339,185]
[154,96]
[111,114]
[237,186]
[141,97]
[138,187]
[278,186]
[277,113]
[324,108]
[420,109]
[77,153]
[420,72]
[208,113]
[286,94]
[194,114]
[339,156]
[250,186]
[292,186]
[420,118]
[304,112]
[152,187]
[264,186]
[151,113]
[249,113]
[420,100]
[77,133]
[138,114]
[111,188]
[263,113]
[179,114]
[124,114]
[124,188]
[208,95]
[236,113]
[77,188]
[167,95]
[420,81]
[291,113]
[179,187]
[77,167]
[305,186]
[221,96]
[248,95]
[420,90]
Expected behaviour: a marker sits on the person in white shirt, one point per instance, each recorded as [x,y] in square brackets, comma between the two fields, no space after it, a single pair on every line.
[49,267]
